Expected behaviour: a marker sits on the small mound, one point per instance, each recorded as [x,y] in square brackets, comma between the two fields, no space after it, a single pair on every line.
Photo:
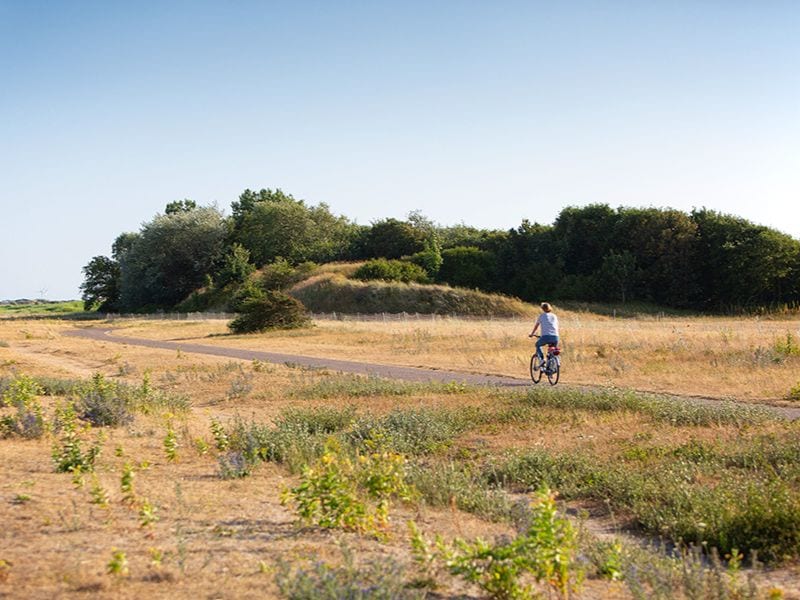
[329,292]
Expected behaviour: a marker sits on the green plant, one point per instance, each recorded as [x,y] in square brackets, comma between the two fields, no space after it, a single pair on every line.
[794,392]
[383,476]
[148,513]
[103,403]
[28,421]
[118,565]
[221,441]
[327,495]
[170,443]
[20,390]
[545,550]
[68,454]
[609,560]
[273,310]
[98,493]
[787,346]
[391,270]
[126,484]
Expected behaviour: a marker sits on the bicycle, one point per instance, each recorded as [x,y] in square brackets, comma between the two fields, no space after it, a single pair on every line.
[551,366]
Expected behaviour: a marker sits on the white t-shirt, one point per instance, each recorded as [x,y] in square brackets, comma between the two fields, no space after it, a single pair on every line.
[549,323]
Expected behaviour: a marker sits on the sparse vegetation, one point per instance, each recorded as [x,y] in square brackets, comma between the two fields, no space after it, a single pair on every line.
[361,456]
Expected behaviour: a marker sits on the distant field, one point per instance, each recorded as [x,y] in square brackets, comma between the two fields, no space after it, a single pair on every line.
[41,308]
[754,359]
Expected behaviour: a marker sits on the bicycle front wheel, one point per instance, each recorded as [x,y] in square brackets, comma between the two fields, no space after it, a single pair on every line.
[553,370]
[536,374]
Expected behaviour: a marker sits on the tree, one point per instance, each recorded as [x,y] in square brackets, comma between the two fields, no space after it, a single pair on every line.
[391,238]
[617,274]
[529,262]
[743,264]
[663,243]
[179,206]
[100,288]
[236,267]
[273,224]
[468,267]
[170,258]
[585,236]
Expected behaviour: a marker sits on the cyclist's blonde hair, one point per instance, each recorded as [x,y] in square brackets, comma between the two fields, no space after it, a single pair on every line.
[546,307]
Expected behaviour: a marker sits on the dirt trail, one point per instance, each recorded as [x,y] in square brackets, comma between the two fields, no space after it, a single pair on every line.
[105,334]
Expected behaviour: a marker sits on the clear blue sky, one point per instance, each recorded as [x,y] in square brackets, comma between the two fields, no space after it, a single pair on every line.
[477,112]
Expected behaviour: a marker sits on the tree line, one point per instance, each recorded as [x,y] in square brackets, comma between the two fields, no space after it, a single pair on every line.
[703,260]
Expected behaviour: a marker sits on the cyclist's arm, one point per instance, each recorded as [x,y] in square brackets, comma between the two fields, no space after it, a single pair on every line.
[535,327]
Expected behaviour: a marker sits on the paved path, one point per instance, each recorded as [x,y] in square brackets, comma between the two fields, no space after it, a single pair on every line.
[349,366]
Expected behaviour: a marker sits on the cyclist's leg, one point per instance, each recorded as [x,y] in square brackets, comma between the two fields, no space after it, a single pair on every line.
[539,343]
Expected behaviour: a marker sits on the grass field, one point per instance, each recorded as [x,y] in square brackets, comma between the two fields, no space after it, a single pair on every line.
[41,308]
[753,359]
[184,497]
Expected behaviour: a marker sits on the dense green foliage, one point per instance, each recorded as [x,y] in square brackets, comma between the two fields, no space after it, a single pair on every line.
[391,270]
[702,260]
[270,310]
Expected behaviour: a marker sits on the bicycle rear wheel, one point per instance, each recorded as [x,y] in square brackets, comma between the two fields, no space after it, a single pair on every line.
[536,374]
[553,370]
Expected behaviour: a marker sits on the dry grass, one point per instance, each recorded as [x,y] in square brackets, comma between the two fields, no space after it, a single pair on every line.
[219,538]
[709,356]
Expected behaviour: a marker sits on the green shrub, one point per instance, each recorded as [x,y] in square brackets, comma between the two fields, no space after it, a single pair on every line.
[275,310]
[413,432]
[429,259]
[103,403]
[281,274]
[339,492]
[28,421]
[787,346]
[467,267]
[391,270]
[68,454]
[545,550]
[449,484]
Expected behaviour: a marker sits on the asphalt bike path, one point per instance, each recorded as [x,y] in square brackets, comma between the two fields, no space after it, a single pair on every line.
[105,334]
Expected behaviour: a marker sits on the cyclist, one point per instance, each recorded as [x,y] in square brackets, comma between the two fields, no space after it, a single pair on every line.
[548,321]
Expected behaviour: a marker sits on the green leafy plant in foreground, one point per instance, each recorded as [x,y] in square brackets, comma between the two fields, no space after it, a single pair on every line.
[68,454]
[337,492]
[544,551]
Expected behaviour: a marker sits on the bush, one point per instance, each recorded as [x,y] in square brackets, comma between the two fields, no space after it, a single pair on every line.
[467,267]
[274,310]
[104,403]
[545,551]
[280,274]
[391,270]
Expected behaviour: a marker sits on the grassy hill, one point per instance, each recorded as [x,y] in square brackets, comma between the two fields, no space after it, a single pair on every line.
[331,292]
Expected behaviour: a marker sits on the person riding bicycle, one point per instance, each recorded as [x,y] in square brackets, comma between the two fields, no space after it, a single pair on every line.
[548,321]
